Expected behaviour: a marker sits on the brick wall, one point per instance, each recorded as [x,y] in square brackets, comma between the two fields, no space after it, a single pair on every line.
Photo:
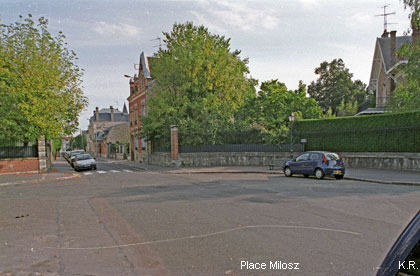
[29,164]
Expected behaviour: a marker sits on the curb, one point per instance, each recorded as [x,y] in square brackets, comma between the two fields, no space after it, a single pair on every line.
[74,175]
[210,172]
[383,182]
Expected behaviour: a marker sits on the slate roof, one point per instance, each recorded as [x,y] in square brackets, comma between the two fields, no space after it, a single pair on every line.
[105,115]
[145,64]
[384,44]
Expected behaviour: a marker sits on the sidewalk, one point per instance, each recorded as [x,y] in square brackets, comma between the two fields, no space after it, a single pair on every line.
[361,174]
[59,170]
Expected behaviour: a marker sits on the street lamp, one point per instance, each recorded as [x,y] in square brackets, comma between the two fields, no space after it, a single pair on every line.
[128,76]
[291,120]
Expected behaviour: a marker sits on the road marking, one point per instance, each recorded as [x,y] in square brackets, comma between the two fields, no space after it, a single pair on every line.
[114,171]
[87,173]
[127,171]
[101,171]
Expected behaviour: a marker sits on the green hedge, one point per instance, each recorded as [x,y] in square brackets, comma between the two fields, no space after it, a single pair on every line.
[393,132]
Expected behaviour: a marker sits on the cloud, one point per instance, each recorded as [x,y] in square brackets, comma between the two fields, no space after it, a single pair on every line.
[222,14]
[116,30]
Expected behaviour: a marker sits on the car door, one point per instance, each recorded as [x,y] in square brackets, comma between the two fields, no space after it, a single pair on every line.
[310,165]
[298,163]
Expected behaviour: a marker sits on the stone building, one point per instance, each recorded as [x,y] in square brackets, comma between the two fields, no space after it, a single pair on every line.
[98,123]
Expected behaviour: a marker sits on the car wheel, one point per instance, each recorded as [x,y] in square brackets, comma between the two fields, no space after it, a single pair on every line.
[306,175]
[319,174]
[338,177]
[94,167]
[288,172]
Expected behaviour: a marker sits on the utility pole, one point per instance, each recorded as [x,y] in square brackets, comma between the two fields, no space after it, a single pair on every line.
[385,14]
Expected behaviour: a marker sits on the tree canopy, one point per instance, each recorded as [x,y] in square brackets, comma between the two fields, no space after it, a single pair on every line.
[335,85]
[200,83]
[270,109]
[40,82]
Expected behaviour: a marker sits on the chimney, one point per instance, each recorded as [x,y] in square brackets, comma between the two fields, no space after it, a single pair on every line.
[97,114]
[112,113]
[385,34]
[393,47]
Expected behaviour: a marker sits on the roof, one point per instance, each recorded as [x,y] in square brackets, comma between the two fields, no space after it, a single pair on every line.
[105,115]
[145,65]
[372,110]
[384,44]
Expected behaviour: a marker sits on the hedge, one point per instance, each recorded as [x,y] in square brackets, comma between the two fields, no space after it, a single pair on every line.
[391,132]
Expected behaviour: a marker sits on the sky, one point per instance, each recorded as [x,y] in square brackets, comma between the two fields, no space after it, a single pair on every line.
[284,40]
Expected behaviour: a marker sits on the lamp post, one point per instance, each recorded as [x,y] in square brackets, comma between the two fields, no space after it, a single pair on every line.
[291,120]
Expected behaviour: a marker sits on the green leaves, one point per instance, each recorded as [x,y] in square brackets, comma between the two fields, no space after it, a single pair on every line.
[200,85]
[40,82]
[335,85]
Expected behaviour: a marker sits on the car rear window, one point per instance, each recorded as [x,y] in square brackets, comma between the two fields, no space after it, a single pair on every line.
[83,157]
[332,156]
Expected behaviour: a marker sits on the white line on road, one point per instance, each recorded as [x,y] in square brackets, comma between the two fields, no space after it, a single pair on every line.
[127,171]
[87,173]
[101,171]
[114,171]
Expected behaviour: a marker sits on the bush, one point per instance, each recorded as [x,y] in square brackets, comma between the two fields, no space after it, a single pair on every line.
[393,132]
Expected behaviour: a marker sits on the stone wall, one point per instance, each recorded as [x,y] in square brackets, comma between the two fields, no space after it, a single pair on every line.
[377,160]
[383,160]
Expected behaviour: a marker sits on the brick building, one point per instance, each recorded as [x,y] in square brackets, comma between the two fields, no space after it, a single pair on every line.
[140,86]
[98,123]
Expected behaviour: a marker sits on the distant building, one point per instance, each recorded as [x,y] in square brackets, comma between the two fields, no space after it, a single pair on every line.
[140,87]
[113,142]
[98,123]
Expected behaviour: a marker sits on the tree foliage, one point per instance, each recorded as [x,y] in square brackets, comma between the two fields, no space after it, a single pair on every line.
[271,108]
[40,82]
[406,96]
[335,85]
[200,84]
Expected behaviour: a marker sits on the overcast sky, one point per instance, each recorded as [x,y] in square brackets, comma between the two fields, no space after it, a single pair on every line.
[283,40]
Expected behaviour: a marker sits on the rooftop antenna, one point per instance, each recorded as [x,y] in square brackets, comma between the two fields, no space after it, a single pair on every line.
[385,14]
[160,43]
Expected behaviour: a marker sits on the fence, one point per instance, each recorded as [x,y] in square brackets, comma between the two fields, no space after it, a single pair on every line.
[241,148]
[397,139]
[18,151]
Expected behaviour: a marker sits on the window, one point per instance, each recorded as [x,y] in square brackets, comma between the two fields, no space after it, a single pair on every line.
[143,144]
[137,143]
[143,110]
[303,157]
[315,156]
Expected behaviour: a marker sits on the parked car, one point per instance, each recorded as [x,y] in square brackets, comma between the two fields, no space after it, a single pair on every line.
[317,163]
[73,154]
[404,256]
[84,161]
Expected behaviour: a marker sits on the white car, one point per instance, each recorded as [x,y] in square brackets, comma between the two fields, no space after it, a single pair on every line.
[84,161]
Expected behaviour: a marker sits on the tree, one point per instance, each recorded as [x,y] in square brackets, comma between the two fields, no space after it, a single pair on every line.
[406,96]
[335,85]
[271,108]
[346,109]
[199,85]
[40,82]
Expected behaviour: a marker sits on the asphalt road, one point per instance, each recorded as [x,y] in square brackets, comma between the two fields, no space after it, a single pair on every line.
[123,221]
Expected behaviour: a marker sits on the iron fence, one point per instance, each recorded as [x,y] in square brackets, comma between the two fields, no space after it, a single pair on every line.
[241,148]
[18,151]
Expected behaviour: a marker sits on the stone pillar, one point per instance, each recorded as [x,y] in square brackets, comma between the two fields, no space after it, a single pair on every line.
[42,156]
[174,143]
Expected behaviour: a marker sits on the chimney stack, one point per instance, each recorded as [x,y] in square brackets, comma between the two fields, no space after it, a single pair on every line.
[112,113]
[97,114]
[393,47]
[385,34]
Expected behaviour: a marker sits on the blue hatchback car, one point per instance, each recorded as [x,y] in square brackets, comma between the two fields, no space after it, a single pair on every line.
[318,163]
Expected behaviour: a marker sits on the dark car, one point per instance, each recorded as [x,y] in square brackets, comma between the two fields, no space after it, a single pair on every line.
[404,256]
[318,163]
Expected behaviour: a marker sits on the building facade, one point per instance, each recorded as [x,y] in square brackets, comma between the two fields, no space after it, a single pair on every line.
[140,87]
[99,123]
